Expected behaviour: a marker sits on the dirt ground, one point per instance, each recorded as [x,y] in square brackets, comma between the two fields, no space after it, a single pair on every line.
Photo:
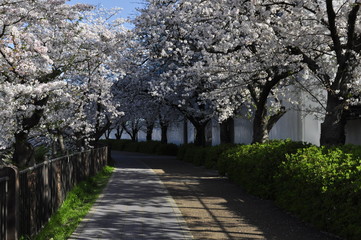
[215,208]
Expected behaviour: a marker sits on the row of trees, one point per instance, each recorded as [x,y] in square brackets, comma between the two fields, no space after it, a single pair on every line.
[70,73]
[207,59]
[56,74]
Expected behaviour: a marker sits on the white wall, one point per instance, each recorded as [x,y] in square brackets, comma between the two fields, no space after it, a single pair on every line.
[289,126]
[242,130]
[175,133]
[311,130]
[216,133]
[292,125]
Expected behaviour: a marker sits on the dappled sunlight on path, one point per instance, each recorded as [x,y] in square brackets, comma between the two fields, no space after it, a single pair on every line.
[135,205]
[215,208]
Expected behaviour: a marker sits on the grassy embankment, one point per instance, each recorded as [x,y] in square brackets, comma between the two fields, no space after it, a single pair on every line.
[76,205]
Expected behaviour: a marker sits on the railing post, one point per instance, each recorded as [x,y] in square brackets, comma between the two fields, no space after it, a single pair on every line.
[107,157]
[12,201]
[46,191]
[110,160]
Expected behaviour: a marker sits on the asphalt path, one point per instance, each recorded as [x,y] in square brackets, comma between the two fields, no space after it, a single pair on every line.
[134,205]
[159,197]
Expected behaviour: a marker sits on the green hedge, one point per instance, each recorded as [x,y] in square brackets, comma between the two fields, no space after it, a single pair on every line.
[115,144]
[213,153]
[167,149]
[254,166]
[323,186]
[192,153]
[150,147]
[206,156]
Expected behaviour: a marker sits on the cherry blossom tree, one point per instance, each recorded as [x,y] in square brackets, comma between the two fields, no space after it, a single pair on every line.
[97,73]
[214,57]
[247,62]
[32,57]
[326,34]
[45,46]
[159,29]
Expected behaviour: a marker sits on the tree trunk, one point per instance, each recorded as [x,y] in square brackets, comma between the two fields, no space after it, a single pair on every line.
[333,127]
[134,136]
[260,131]
[21,157]
[107,133]
[58,145]
[164,130]
[134,132]
[99,131]
[24,151]
[61,143]
[273,119]
[118,134]
[227,131]
[150,128]
[185,131]
[80,140]
[200,138]
[263,124]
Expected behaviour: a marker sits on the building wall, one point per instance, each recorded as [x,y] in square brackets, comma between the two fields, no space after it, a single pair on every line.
[311,130]
[216,133]
[292,125]
[242,130]
[289,126]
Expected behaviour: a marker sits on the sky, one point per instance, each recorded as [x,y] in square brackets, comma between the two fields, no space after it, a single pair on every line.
[128,6]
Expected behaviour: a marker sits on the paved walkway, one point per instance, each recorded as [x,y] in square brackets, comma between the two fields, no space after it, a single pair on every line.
[134,205]
[217,209]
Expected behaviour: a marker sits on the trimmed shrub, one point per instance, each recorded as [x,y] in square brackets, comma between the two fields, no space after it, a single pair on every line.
[115,144]
[150,147]
[323,186]
[182,151]
[199,154]
[131,146]
[167,149]
[202,156]
[254,166]
[212,154]
[186,152]
[189,154]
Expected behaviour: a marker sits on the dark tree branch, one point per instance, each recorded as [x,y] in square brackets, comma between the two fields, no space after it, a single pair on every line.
[275,117]
[51,76]
[312,65]
[333,29]
[351,26]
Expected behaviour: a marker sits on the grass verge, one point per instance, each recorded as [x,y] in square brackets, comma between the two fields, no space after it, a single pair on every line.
[76,205]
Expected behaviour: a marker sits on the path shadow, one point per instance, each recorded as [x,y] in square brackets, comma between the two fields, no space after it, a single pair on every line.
[134,205]
[227,210]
